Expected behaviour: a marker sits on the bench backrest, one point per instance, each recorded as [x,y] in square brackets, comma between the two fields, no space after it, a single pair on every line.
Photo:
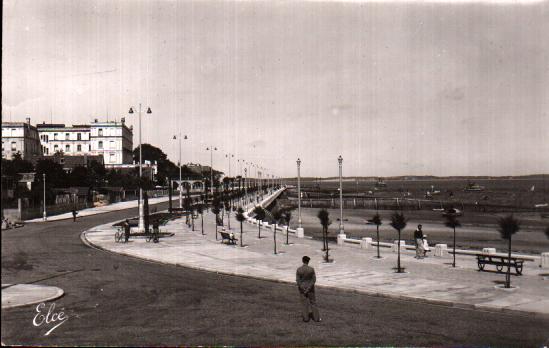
[225,235]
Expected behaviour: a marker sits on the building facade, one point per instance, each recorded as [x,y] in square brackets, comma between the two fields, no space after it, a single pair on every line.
[20,137]
[112,140]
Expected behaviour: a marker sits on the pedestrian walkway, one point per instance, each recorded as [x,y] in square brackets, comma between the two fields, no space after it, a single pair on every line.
[430,280]
[17,295]
[100,210]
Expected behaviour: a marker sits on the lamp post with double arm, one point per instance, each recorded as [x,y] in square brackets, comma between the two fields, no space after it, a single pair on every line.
[180,186]
[340,161]
[141,225]
[211,149]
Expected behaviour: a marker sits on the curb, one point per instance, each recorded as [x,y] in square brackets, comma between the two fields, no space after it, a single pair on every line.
[368,292]
[58,294]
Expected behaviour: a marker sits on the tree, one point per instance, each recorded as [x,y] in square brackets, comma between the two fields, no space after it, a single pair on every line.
[260,216]
[277,216]
[452,222]
[240,218]
[216,211]
[398,222]
[376,219]
[547,231]
[508,226]
[200,210]
[324,218]
[287,215]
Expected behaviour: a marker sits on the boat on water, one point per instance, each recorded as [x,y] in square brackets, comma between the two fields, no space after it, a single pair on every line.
[474,187]
[381,183]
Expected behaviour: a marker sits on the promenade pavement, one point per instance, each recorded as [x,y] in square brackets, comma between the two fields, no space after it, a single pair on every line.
[100,210]
[430,280]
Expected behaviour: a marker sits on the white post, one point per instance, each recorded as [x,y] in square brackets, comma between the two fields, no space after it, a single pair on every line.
[44,215]
[141,225]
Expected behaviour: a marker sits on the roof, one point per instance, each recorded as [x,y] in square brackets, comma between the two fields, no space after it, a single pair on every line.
[50,125]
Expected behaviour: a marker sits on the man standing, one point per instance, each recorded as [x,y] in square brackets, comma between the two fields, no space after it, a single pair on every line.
[305,278]
[126,230]
[74,212]
[418,237]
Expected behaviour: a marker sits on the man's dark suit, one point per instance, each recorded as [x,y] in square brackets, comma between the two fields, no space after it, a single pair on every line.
[305,278]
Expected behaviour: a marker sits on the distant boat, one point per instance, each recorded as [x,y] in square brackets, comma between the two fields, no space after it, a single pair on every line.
[381,183]
[474,187]
[542,205]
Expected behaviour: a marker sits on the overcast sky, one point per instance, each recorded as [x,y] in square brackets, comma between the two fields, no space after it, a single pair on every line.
[396,88]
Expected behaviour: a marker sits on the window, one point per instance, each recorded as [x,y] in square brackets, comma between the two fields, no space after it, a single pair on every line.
[100,145]
[67,148]
[100,132]
[55,136]
[67,136]
[111,159]
[47,151]
[55,148]
[13,146]
[89,147]
[111,145]
[47,138]
[79,136]
[79,148]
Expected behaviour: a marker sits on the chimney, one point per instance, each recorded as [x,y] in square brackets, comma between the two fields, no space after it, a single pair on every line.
[123,120]
[28,120]
[95,120]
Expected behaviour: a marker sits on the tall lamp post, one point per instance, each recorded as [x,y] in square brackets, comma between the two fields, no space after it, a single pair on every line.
[229,155]
[141,226]
[299,192]
[246,186]
[44,216]
[180,186]
[211,149]
[340,161]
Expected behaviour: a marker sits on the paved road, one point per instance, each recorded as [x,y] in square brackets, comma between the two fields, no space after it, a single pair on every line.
[114,300]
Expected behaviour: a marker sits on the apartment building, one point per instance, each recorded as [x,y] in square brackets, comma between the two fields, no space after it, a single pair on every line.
[20,137]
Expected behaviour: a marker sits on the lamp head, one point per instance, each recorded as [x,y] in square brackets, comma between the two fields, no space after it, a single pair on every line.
[149,111]
[298,162]
[131,111]
[340,159]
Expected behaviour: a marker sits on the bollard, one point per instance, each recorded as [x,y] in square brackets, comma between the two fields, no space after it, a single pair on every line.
[544,260]
[366,243]
[488,250]
[300,232]
[341,239]
[441,250]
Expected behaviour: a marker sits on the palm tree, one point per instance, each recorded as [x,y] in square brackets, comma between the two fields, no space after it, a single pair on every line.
[324,218]
[260,216]
[200,210]
[287,215]
[277,216]
[508,226]
[376,219]
[216,211]
[240,218]
[398,222]
[452,222]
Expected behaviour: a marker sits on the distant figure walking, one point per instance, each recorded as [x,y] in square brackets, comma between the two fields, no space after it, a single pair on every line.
[74,213]
[305,278]
[127,230]
[418,237]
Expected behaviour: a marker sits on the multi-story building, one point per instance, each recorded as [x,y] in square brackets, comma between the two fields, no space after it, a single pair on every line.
[73,140]
[20,137]
[112,140]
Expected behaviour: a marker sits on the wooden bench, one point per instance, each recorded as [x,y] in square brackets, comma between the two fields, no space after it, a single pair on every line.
[500,262]
[227,237]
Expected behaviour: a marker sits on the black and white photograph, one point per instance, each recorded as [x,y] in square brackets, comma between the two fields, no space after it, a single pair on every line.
[275,173]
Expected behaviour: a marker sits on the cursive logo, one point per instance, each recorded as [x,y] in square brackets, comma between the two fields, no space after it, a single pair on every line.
[50,317]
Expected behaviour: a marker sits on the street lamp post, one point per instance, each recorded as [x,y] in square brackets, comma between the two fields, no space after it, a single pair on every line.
[180,178]
[341,230]
[141,225]
[211,149]
[299,193]
[44,216]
